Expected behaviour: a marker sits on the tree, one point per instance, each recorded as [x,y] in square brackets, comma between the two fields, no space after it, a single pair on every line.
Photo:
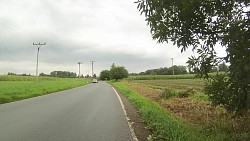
[43,74]
[118,72]
[104,75]
[11,73]
[223,67]
[202,25]
[63,74]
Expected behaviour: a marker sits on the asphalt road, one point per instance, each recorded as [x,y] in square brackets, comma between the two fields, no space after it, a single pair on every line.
[89,113]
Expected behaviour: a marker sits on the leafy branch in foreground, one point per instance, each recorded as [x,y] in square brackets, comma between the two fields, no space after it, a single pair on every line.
[203,25]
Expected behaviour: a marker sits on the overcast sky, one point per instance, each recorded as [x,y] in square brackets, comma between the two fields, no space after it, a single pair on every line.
[105,31]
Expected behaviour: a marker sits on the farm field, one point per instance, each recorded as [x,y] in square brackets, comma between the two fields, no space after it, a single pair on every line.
[13,88]
[185,100]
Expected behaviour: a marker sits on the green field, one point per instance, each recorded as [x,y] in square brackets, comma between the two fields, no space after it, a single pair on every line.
[180,84]
[13,88]
[176,108]
[161,77]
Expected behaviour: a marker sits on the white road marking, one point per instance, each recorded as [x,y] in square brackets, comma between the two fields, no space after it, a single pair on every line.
[129,123]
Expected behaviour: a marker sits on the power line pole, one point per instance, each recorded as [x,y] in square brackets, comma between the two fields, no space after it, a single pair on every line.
[38,45]
[173,64]
[92,62]
[79,67]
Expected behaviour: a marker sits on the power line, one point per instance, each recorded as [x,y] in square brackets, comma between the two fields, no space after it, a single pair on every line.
[92,62]
[173,64]
[79,67]
[38,45]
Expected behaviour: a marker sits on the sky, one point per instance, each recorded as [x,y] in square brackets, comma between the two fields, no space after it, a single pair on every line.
[104,31]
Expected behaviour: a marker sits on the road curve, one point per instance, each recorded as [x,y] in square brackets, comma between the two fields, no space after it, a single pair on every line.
[88,113]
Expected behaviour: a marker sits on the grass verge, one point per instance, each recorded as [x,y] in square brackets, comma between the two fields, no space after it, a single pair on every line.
[16,90]
[163,124]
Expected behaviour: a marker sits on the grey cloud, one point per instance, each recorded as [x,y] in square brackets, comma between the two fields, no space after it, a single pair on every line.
[76,30]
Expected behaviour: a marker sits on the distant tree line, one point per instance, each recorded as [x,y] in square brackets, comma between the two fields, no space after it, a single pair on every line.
[60,74]
[24,74]
[180,70]
[220,68]
[164,71]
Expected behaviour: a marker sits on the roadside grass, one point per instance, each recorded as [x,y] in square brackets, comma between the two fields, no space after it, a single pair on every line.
[185,99]
[164,124]
[26,88]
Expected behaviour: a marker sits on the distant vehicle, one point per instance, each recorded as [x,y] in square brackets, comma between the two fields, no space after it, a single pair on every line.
[94,81]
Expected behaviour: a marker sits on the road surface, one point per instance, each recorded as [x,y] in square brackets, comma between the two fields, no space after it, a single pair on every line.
[89,113]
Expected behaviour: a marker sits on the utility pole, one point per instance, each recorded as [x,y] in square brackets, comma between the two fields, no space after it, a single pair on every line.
[92,62]
[79,67]
[173,64]
[38,45]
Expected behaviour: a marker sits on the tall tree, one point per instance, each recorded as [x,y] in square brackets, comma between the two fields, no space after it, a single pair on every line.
[202,25]
[118,72]
[105,75]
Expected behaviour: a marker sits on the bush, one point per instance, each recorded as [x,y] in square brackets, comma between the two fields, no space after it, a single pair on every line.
[224,91]
[118,72]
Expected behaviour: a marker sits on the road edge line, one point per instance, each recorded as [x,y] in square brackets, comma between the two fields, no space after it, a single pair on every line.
[127,118]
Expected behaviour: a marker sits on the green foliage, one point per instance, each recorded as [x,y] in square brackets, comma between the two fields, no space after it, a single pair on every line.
[19,89]
[104,75]
[222,91]
[43,74]
[223,67]
[186,93]
[166,71]
[167,93]
[118,72]
[203,24]
[63,74]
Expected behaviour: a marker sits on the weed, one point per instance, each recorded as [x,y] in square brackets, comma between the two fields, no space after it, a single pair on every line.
[186,93]
[167,93]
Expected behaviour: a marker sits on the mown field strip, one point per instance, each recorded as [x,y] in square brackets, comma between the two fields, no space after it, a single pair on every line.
[16,90]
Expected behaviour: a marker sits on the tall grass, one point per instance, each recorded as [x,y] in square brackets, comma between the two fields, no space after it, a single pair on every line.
[16,90]
[164,125]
